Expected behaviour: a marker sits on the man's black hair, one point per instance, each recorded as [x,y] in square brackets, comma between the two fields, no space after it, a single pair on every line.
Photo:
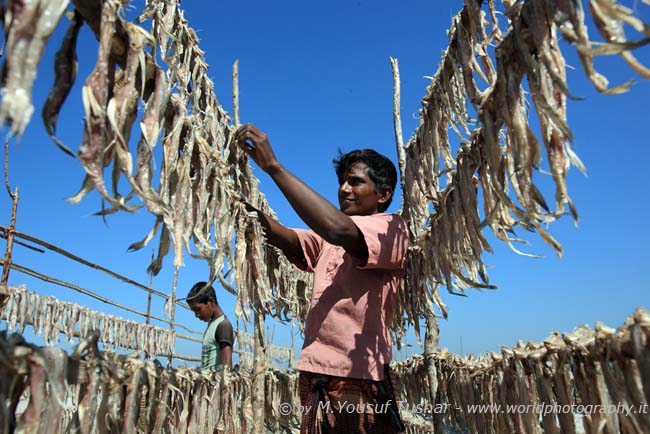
[200,293]
[380,170]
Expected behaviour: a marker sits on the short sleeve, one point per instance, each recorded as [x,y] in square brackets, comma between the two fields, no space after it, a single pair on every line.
[224,333]
[311,244]
[387,239]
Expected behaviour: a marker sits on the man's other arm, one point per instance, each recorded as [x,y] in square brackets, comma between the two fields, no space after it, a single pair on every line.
[280,236]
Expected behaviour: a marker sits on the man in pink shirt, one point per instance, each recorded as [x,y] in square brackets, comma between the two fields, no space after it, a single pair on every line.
[357,254]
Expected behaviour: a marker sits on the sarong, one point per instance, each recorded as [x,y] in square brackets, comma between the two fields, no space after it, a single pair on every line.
[337,405]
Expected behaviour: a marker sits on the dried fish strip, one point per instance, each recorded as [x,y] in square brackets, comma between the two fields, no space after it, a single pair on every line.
[95,152]
[65,74]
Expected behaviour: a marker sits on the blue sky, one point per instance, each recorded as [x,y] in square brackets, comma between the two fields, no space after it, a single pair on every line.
[316,78]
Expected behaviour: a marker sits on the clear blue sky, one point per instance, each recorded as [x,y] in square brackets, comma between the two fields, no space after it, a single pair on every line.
[316,77]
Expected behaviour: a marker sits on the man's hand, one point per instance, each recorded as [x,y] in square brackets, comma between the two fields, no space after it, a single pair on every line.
[257,146]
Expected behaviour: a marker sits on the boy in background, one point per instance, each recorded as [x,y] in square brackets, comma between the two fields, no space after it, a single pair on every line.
[216,349]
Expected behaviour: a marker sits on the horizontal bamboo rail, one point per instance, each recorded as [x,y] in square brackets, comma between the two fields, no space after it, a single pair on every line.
[74,257]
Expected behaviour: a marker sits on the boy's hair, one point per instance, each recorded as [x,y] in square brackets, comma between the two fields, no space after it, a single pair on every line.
[200,293]
[380,170]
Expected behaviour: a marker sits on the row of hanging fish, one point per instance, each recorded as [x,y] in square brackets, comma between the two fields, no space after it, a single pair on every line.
[492,52]
[204,178]
[50,317]
[598,378]
[89,391]
[566,379]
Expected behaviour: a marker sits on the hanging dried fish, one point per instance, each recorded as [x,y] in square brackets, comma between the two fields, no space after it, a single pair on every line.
[95,152]
[28,26]
[65,74]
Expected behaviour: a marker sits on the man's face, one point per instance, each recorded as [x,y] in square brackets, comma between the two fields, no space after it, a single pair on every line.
[357,194]
[203,311]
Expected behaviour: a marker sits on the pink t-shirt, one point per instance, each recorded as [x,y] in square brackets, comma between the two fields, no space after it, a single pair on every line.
[348,324]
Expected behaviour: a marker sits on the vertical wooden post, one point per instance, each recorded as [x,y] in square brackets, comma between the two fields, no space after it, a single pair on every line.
[235,93]
[432,336]
[431,342]
[148,317]
[259,370]
[397,121]
[6,263]
[258,398]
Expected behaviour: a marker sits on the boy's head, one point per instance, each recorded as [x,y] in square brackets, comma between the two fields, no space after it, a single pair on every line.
[360,167]
[203,301]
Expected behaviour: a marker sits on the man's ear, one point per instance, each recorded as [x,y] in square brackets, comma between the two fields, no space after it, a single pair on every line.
[385,194]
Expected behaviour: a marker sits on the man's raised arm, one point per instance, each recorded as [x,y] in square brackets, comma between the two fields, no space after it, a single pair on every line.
[317,212]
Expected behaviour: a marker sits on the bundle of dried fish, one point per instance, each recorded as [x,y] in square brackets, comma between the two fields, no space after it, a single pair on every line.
[50,317]
[499,152]
[601,375]
[203,179]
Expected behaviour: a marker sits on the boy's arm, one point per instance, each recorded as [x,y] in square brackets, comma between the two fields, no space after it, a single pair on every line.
[225,336]
[226,353]
[317,212]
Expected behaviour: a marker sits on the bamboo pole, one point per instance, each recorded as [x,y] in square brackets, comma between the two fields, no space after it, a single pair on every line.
[397,121]
[148,319]
[258,396]
[235,93]
[87,292]
[292,349]
[6,263]
[431,342]
[89,264]
[259,348]
[432,336]
[4,234]
[172,312]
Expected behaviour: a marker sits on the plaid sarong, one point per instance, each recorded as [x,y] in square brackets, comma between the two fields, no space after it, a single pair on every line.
[336,405]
